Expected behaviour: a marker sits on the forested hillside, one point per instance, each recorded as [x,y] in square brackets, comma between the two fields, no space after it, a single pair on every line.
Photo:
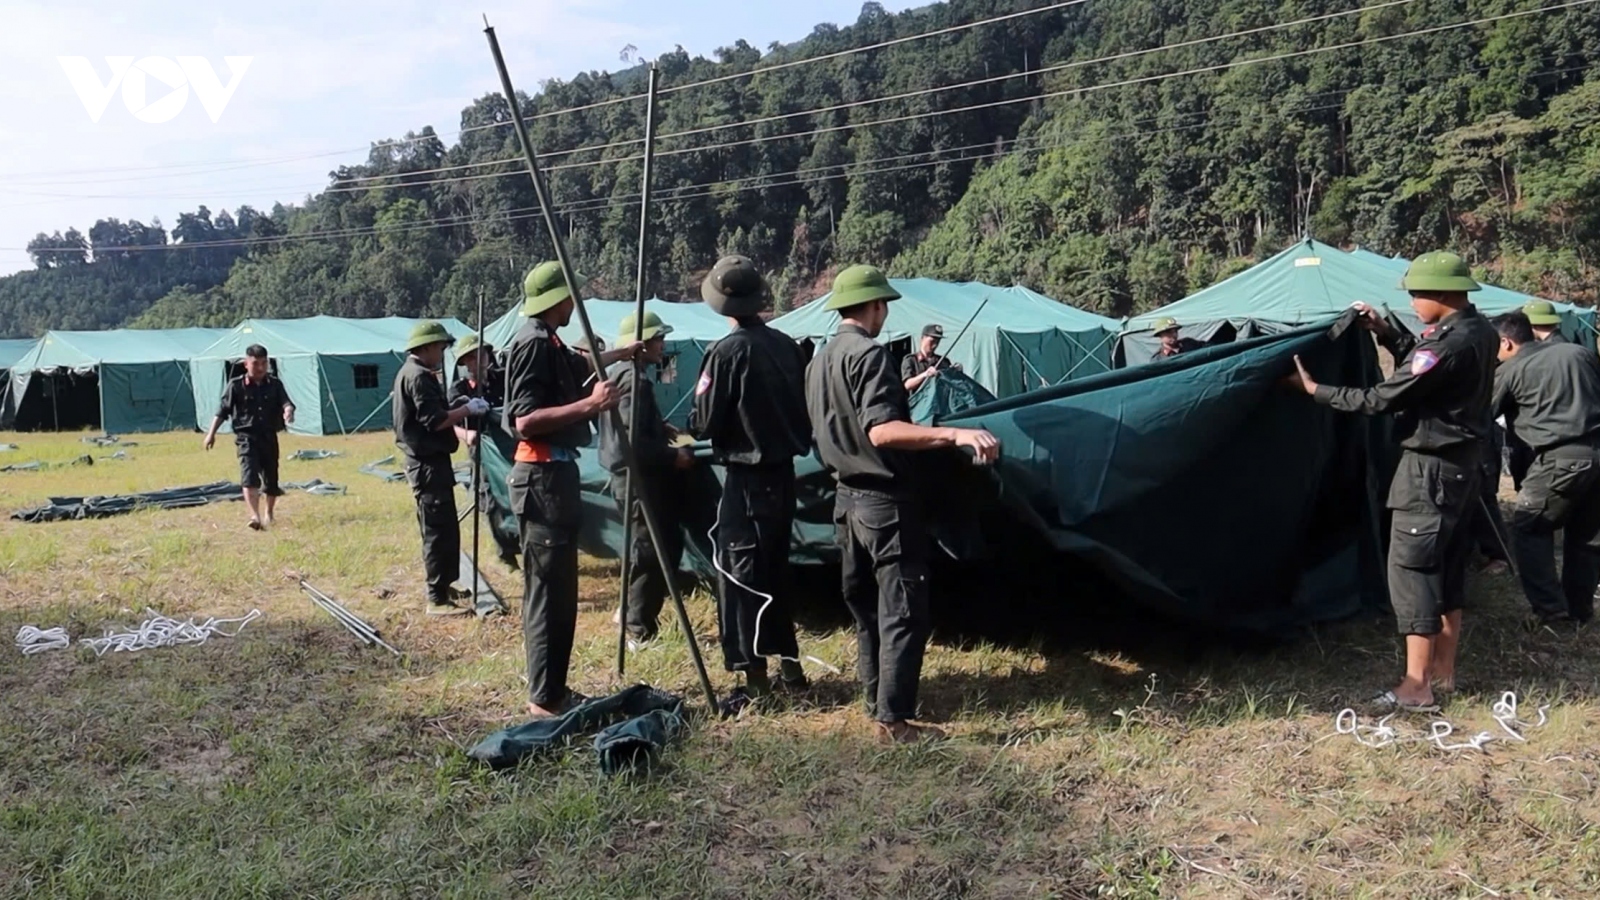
[1113,153]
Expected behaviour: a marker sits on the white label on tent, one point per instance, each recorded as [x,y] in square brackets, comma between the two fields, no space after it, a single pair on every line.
[1308,261]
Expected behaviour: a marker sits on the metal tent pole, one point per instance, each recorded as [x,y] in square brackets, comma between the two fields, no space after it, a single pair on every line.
[634,476]
[541,189]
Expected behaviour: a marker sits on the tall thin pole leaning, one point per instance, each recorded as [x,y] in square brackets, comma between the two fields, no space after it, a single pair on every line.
[480,377]
[634,476]
[547,212]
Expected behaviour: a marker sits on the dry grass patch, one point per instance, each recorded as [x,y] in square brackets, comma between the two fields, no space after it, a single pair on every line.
[291,761]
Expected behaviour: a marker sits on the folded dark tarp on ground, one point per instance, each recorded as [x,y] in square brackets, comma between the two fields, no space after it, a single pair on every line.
[633,724]
[7,448]
[107,440]
[379,469]
[315,454]
[37,466]
[64,508]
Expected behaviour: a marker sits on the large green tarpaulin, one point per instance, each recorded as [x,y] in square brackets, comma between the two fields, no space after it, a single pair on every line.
[1309,282]
[121,381]
[1019,341]
[694,329]
[339,372]
[1201,490]
[10,352]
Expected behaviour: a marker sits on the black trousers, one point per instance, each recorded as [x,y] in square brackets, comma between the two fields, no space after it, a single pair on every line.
[548,502]
[647,586]
[433,483]
[754,522]
[1561,492]
[1430,539]
[258,461]
[885,555]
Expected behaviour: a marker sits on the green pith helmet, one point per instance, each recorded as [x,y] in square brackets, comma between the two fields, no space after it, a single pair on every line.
[1542,313]
[1441,271]
[653,328]
[425,333]
[1163,325]
[545,287]
[735,288]
[860,284]
[469,345]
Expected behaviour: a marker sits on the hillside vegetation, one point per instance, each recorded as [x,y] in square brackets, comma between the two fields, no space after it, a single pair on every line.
[1113,155]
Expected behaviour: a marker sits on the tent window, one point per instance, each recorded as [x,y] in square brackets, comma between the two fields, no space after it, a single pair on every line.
[366,377]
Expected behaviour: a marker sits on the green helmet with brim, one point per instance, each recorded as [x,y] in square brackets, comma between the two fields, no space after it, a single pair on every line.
[1440,271]
[860,284]
[545,288]
[428,332]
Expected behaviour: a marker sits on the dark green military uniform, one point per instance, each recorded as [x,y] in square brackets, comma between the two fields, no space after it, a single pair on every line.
[255,411]
[541,373]
[1440,393]
[1552,389]
[749,402]
[493,392]
[419,407]
[852,386]
[667,495]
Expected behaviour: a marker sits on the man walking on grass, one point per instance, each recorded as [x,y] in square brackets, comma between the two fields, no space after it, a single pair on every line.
[1439,394]
[424,427]
[259,408]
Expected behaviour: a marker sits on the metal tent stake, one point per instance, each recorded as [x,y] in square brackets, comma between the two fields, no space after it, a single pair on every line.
[547,211]
[628,562]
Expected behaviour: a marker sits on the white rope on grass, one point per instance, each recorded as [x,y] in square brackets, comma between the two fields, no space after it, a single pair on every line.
[1382,734]
[1505,714]
[160,631]
[31,640]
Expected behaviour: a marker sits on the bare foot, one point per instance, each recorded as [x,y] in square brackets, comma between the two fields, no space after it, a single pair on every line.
[255,524]
[539,712]
[907,733]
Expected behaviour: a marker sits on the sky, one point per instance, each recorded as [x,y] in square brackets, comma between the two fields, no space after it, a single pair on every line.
[323,81]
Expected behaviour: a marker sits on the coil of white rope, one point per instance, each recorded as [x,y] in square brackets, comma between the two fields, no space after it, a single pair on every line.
[31,640]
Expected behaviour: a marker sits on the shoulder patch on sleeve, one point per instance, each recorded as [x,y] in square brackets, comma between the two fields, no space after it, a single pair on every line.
[703,385]
[1423,360]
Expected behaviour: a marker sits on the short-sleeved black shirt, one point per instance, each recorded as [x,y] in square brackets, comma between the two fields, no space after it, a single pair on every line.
[254,407]
[541,373]
[851,388]
[650,444]
[419,407]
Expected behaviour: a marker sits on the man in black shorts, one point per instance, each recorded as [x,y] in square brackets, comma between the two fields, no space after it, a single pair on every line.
[259,408]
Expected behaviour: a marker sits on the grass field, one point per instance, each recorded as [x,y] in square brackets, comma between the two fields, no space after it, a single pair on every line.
[292,762]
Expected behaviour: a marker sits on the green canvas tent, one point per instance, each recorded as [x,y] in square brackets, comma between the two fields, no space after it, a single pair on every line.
[1201,490]
[1020,341]
[1309,282]
[10,352]
[339,372]
[694,329]
[120,381]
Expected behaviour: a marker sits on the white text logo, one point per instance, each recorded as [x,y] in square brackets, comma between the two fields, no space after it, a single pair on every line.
[172,83]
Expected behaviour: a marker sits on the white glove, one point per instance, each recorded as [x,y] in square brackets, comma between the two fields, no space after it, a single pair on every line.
[477,406]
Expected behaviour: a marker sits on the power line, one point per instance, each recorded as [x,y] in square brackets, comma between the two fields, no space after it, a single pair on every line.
[1073,91]
[940,113]
[565,110]
[879,46]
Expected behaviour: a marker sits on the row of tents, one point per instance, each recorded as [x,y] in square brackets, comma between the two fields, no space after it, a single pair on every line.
[1009,340]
